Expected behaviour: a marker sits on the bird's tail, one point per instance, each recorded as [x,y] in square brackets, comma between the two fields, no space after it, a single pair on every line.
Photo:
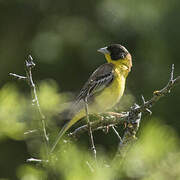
[76,118]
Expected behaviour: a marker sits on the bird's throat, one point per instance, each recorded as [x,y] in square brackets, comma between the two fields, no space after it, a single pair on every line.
[122,66]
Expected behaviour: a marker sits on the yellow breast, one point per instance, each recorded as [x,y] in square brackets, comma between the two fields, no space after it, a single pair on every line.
[111,94]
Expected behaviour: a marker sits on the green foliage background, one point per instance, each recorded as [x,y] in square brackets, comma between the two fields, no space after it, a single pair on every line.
[63,37]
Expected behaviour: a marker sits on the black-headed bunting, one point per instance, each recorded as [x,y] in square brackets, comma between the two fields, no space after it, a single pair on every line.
[105,86]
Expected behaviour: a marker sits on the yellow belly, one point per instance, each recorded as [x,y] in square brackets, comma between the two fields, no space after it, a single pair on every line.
[110,96]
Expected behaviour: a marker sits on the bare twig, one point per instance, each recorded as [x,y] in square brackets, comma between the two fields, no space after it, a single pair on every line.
[172,73]
[18,76]
[36,160]
[144,102]
[29,64]
[30,131]
[119,137]
[89,129]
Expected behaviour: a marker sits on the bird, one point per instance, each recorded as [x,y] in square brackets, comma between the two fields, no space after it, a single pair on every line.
[104,88]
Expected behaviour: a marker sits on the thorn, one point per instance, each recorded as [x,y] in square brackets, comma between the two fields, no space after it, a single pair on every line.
[116,132]
[106,129]
[30,57]
[29,62]
[149,111]
[36,160]
[135,106]
[144,102]
[172,73]
[30,131]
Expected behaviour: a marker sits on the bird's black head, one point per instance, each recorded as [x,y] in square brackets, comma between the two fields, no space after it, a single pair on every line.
[117,51]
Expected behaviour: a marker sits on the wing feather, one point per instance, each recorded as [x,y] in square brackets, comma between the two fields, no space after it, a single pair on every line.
[101,78]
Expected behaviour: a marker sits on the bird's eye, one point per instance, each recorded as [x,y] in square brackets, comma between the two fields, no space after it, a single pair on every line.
[122,55]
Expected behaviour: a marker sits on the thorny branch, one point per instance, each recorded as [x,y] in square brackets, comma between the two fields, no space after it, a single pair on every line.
[131,117]
[29,65]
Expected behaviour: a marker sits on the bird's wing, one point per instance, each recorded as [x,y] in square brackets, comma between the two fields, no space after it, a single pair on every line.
[100,79]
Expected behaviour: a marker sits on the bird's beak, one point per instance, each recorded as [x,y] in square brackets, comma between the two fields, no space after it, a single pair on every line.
[103,50]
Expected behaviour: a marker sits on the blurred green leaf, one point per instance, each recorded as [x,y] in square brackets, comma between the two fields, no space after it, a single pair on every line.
[28,172]
[13,105]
